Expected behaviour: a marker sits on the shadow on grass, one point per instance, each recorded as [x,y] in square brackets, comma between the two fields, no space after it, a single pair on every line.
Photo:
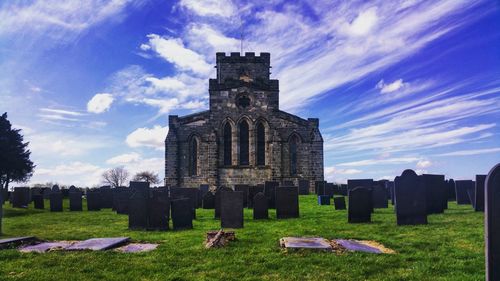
[19,212]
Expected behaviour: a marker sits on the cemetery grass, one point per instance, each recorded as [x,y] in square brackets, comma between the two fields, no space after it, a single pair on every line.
[450,247]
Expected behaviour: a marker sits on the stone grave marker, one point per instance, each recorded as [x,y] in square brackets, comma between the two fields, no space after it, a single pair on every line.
[450,190]
[319,187]
[479,204]
[313,243]
[93,200]
[182,213]
[329,189]
[138,209]
[339,203]
[435,193]
[367,183]
[471,193]
[260,207]
[56,201]
[323,200]
[379,196]
[231,209]
[218,200]
[461,187]
[410,198]
[39,202]
[106,197]
[45,247]
[287,183]
[1,209]
[20,197]
[303,187]
[55,188]
[492,224]
[287,202]
[121,199]
[390,187]
[208,201]
[15,241]
[158,210]
[245,189]
[75,200]
[46,193]
[189,193]
[359,210]
[270,192]
[252,191]
[98,244]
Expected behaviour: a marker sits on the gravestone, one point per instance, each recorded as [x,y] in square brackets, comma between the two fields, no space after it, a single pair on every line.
[323,200]
[231,209]
[98,244]
[260,207]
[75,201]
[329,189]
[55,188]
[203,189]
[303,187]
[189,193]
[471,193]
[93,200]
[20,197]
[208,201]
[339,203]
[379,196]
[360,206]
[287,183]
[56,201]
[252,191]
[461,187]
[479,204]
[245,189]
[46,193]
[367,183]
[492,224]
[39,202]
[218,200]
[106,197]
[158,210]
[390,187]
[410,198]
[182,213]
[72,189]
[319,187]
[435,193]
[121,196]
[343,189]
[287,202]
[450,190]
[270,192]
[138,209]
[1,208]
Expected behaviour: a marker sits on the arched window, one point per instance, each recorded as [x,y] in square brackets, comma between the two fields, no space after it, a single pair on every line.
[293,154]
[193,157]
[244,143]
[228,134]
[261,145]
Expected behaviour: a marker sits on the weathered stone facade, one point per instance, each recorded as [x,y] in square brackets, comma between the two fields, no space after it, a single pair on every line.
[243,138]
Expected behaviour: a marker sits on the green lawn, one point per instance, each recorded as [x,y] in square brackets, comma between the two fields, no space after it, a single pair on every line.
[450,247]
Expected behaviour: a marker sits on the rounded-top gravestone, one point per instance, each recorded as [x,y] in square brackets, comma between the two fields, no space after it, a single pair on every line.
[492,224]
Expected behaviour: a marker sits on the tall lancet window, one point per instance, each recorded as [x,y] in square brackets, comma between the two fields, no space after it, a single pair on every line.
[228,134]
[244,143]
[193,157]
[293,155]
[261,145]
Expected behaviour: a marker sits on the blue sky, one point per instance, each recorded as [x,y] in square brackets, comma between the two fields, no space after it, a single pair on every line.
[396,84]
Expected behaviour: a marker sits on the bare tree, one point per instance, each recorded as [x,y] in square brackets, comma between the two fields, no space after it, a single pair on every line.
[147,176]
[115,177]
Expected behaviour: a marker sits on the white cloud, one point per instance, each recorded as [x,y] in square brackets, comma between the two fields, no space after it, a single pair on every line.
[60,144]
[221,8]
[62,111]
[148,137]
[471,152]
[76,173]
[100,103]
[424,163]
[362,24]
[391,87]
[124,159]
[395,160]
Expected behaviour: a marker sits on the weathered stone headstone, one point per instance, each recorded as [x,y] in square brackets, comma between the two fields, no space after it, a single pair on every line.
[138,209]
[56,201]
[231,209]
[208,201]
[121,198]
[245,189]
[39,202]
[182,214]
[20,197]
[410,198]
[329,189]
[390,187]
[75,201]
[319,187]
[46,193]
[360,206]
[106,197]
[270,192]
[218,200]
[461,187]
[158,210]
[367,183]
[492,224]
[471,193]
[304,187]
[203,189]
[323,200]
[252,191]
[450,190]
[287,202]
[93,200]
[55,188]
[379,196]
[435,193]
[189,193]
[479,204]
[260,207]
[339,203]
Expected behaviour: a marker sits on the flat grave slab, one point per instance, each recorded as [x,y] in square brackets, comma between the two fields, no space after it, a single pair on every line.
[46,247]
[98,244]
[8,242]
[137,248]
[357,246]
[314,243]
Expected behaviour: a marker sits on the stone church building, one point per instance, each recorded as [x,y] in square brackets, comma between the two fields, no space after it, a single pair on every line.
[244,138]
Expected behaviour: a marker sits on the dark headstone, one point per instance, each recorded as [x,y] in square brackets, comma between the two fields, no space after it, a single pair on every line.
[379,196]
[20,197]
[93,200]
[366,183]
[203,189]
[39,202]
[435,193]
[55,188]
[492,224]
[182,214]
[389,185]
[287,202]
[479,204]
[121,196]
[471,193]
[323,200]
[1,208]
[218,200]
[56,202]
[231,209]
[339,203]
[158,210]
[252,191]
[329,189]
[303,187]
[106,197]
[270,192]
[319,187]
[360,206]
[189,193]
[46,193]
[208,201]
[75,201]
[138,209]
[260,207]
[450,190]
[245,189]
[410,198]
[461,187]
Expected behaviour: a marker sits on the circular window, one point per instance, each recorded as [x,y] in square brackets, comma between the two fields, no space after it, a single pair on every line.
[243,101]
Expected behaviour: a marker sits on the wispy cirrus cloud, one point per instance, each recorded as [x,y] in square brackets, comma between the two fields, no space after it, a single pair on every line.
[471,152]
